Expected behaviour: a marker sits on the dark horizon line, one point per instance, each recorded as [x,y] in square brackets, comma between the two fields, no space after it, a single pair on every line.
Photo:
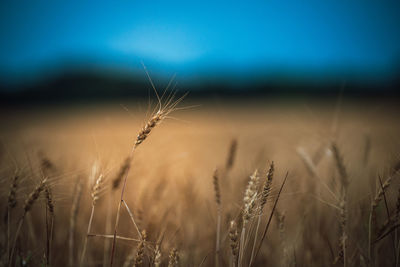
[97,86]
[190,75]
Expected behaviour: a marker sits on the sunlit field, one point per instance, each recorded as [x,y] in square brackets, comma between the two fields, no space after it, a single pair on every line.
[192,190]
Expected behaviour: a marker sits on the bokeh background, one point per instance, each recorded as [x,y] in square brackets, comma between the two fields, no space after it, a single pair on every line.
[75,50]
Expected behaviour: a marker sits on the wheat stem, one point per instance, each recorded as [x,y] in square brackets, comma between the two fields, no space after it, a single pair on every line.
[27,207]
[86,237]
[72,221]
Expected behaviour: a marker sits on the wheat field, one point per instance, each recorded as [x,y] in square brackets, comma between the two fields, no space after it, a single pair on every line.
[267,182]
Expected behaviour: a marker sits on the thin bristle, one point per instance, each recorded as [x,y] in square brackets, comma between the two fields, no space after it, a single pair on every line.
[157,118]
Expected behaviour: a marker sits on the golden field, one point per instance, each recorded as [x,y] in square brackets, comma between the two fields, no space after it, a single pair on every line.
[319,220]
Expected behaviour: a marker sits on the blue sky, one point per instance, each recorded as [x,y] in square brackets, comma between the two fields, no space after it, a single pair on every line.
[315,37]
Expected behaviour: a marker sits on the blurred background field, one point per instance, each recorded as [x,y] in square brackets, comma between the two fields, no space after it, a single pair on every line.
[170,184]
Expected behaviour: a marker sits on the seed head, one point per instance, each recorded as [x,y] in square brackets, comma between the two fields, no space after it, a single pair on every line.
[267,186]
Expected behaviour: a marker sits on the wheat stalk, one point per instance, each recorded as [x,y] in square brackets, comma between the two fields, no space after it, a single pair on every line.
[72,220]
[264,196]
[249,202]
[108,226]
[33,196]
[281,228]
[218,202]
[156,119]
[49,232]
[344,181]
[270,217]
[372,217]
[11,204]
[341,257]
[340,166]
[96,190]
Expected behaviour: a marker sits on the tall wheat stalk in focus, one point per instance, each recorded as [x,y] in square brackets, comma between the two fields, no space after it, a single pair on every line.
[162,111]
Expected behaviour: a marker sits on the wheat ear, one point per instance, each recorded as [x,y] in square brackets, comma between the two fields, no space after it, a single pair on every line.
[140,251]
[156,119]
[231,155]
[234,242]
[270,217]
[173,258]
[264,196]
[135,258]
[249,202]
[33,196]
[157,256]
